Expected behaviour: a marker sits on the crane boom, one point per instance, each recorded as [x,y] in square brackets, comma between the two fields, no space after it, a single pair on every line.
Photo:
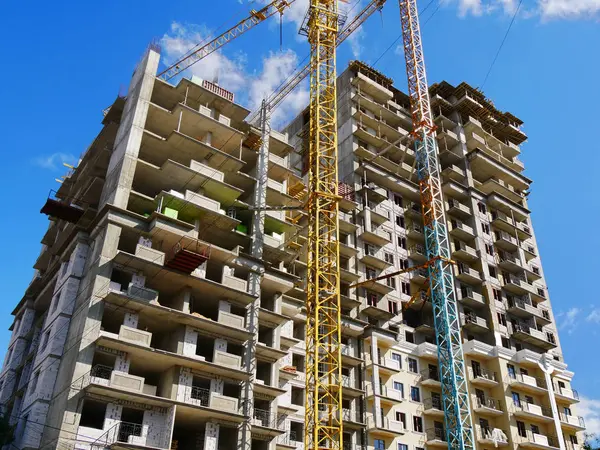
[290,84]
[455,396]
[256,17]
[323,407]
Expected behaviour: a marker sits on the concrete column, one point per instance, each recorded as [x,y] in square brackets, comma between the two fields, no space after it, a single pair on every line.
[211,436]
[224,306]
[122,362]
[190,342]
[216,386]
[375,381]
[121,167]
[131,319]
[112,415]
[184,384]
[254,279]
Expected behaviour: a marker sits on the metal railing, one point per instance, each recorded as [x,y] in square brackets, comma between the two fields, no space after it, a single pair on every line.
[127,432]
[535,438]
[539,410]
[527,379]
[573,420]
[487,402]
[268,419]
[199,396]
[571,393]
[484,374]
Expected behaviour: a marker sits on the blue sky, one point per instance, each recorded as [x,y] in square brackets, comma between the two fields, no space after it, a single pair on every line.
[64,62]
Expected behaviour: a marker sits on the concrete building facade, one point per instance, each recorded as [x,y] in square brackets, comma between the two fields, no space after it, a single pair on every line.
[150,324]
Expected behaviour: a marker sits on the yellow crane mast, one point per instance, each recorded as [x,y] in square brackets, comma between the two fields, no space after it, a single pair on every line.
[323,408]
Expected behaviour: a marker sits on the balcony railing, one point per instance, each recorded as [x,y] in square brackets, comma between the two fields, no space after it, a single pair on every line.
[539,439]
[199,396]
[484,374]
[131,433]
[571,393]
[527,379]
[476,320]
[492,434]
[538,410]
[487,402]
[268,419]
[572,420]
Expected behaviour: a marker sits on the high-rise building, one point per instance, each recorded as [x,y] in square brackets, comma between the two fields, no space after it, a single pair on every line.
[152,323]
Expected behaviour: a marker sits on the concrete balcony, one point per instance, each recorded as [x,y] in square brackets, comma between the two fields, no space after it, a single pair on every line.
[479,349]
[572,423]
[460,250]
[375,258]
[427,350]
[489,437]
[417,252]
[415,231]
[432,406]
[499,186]
[461,230]
[387,366]
[515,283]
[453,172]
[510,261]
[458,209]
[504,222]
[468,275]
[505,241]
[135,336]
[467,296]
[523,308]
[436,437]
[526,333]
[382,426]
[483,377]
[413,209]
[566,394]
[352,419]
[527,383]
[374,236]
[419,276]
[267,422]
[430,377]
[474,323]
[529,411]
[486,406]
[386,395]
[375,90]
[535,441]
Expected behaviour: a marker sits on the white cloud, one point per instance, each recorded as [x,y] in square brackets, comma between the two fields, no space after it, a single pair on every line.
[589,409]
[545,9]
[568,9]
[568,322]
[233,73]
[54,161]
[594,316]
[182,38]
[356,38]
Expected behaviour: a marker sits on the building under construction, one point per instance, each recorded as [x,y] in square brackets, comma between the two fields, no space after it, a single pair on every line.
[149,324]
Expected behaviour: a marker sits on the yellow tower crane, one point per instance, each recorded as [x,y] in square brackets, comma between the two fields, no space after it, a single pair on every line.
[323,407]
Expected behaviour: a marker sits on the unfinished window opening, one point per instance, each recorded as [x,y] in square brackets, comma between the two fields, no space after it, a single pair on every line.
[298,362]
[263,372]
[92,414]
[265,335]
[205,347]
[297,396]
[297,431]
